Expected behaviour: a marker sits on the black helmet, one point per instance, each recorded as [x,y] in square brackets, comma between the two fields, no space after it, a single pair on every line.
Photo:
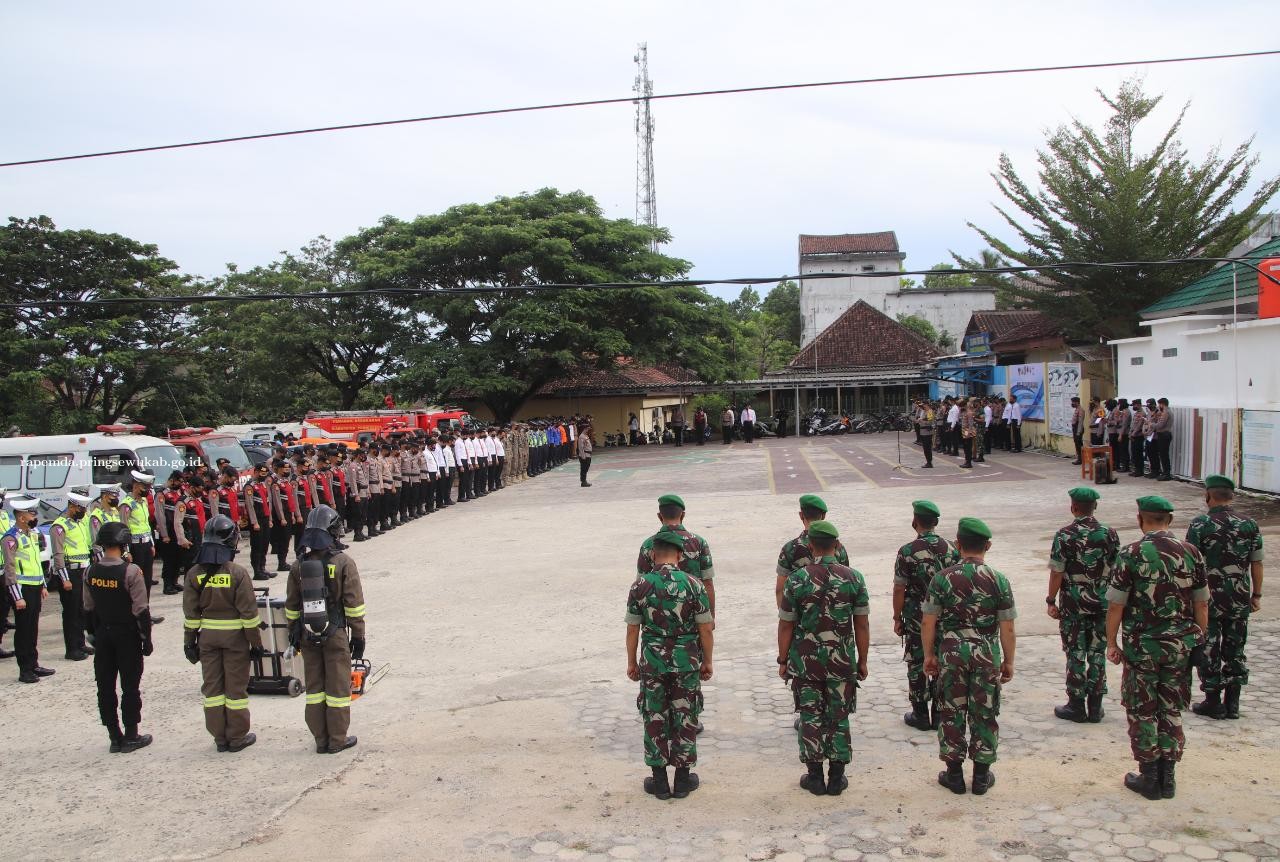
[113,535]
[325,518]
[220,542]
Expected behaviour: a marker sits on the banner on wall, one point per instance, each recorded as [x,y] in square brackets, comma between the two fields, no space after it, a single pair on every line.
[1062,384]
[1026,385]
[1261,450]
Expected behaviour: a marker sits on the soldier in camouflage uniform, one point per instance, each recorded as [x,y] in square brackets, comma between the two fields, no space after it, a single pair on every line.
[823,617]
[913,570]
[1232,549]
[1079,572]
[669,624]
[969,607]
[795,553]
[1160,595]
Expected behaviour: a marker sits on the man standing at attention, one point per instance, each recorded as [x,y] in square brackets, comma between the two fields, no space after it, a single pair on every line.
[913,570]
[1159,595]
[969,607]
[1079,572]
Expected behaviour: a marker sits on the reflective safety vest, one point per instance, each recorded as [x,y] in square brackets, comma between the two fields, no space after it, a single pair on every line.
[139,518]
[6,523]
[76,540]
[27,558]
[104,516]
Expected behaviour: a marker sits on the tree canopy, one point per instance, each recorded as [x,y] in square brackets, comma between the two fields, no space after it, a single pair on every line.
[1101,198]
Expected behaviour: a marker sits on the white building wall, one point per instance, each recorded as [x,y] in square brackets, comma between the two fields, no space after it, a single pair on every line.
[1248,364]
[822,300]
[947,310]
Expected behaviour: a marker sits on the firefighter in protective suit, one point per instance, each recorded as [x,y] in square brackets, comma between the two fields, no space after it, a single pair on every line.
[324,600]
[221,633]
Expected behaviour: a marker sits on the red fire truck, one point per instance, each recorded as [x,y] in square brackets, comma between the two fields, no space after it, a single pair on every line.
[207,445]
[363,425]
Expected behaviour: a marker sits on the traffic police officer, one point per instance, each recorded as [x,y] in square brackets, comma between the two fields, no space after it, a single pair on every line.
[221,633]
[115,605]
[24,582]
[71,546]
[135,513]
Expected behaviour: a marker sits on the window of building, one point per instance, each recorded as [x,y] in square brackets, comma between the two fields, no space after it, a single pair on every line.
[868,267]
[1168,352]
[1135,360]
[1208,356]
[47,471]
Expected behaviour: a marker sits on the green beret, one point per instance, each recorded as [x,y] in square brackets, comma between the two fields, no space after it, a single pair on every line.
[925,507]
[1083,495]
[974,527]
[824,528]
[1154,504]
[669,536]
[670,500]
[1217,480]
[813,501]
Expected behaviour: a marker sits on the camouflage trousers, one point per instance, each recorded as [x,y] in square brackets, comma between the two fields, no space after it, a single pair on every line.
[1154,690]
[667,708]
[919,687]
[824,706]
[1084,640]
[968,700]
[1224,662]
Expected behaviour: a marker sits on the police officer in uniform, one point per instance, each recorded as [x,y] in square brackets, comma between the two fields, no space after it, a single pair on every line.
[6,524]
[325,599]
[24,582]
[221,633]
[135,513]
[105,510]
[257,505]
[115,606]
[71,545]
[284,511]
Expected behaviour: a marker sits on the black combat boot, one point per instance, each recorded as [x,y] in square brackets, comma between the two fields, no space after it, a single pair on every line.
[360,536]
[813,781]
[1095,710]
[918,717]
[836,782]
[116,738]
[983,778]
[1146,781]
[1211,706]
[1167,783]
[686,782]
[1073,711]
[132,740]
[657,784]
[1231,702]
[953,778]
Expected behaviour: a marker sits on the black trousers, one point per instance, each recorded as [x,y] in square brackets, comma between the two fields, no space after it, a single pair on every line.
[143,555]
[1163,443]
[1078,439]
[926,442]
[502,466]
[726,431]
[748,431]
[171,561]
[1137,453]
[296,530]
[584,464]
[5,603]
[987,434]
[442,489]
[259,542]
[700,434]
[73,610]
[118,656]
[26,631]
[1015,436]
[966,443]
[280,535]
[678,430]
[1120,453]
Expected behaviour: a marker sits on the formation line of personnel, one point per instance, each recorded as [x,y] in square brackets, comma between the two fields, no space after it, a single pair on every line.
[1159,606]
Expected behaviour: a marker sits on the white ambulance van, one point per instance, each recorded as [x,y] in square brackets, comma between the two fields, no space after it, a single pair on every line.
[47,467]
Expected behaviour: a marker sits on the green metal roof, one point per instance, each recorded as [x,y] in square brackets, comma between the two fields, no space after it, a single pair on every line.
[1214,288]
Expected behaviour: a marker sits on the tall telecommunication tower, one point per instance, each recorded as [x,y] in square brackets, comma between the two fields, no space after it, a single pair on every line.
[646,196]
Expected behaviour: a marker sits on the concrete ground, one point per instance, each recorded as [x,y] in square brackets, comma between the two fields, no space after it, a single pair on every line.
[506,728]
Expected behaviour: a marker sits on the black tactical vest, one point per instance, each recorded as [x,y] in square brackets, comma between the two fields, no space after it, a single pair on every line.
[111,600]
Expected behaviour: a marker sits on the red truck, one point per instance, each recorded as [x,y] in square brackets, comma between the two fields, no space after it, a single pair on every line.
[363,425]
[204,444]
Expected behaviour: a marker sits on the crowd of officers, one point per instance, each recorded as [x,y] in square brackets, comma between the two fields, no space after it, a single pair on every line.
[105,545]
[1139,437]
[1160,606]
[972,426]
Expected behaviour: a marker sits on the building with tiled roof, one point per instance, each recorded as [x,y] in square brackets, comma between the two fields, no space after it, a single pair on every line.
[864,337]
[1218,290]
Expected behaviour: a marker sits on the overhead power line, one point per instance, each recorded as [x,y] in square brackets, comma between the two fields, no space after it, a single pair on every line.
[729,91]
[417,292]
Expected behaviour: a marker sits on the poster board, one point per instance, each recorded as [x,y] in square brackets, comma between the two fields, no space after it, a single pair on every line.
[1261,451]
[1026,385]
[1061,385]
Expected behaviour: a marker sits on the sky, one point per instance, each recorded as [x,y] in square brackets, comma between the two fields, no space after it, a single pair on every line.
[738,177]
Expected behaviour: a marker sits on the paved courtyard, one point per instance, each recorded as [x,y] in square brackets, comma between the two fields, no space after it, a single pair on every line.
[505,727]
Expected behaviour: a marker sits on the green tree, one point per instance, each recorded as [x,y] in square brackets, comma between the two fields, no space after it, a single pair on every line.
[783,303]
[292,355]
[68,367]
[919,326]
[988,258]
[1101,199]
[501,347]
[746,305]
[942,277]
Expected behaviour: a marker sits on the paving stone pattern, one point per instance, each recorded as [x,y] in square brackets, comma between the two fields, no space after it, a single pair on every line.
[749,714]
